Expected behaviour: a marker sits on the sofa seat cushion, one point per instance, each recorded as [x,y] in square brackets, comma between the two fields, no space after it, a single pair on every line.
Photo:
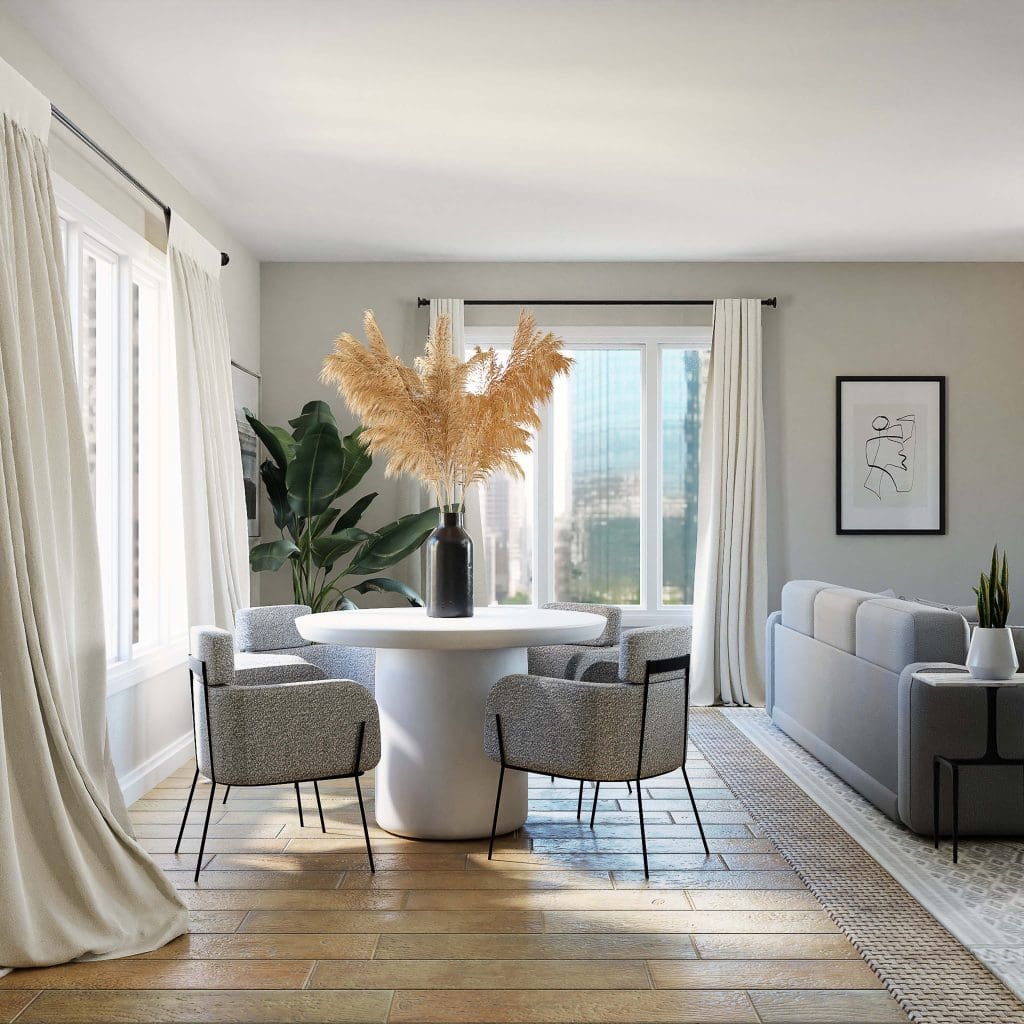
[259,669]
[798,604]
[894,634]
[835,616]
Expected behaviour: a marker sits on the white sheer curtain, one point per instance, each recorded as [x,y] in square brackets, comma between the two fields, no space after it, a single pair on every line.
[730,589]
[455,310]
[73,881]
[216,535]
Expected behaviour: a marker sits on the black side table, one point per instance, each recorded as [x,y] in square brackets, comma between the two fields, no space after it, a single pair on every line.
[990,757]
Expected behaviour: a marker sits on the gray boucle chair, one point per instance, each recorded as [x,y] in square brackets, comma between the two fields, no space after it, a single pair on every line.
[267,635]
[559,660]
[264,734]
[631,728]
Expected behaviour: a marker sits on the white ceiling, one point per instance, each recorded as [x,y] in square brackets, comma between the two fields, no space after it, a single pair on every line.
[573,129]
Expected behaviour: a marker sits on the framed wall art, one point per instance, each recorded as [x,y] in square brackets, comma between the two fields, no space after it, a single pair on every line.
[891,455]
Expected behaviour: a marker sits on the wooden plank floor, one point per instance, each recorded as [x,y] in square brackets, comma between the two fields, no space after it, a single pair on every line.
[288,924]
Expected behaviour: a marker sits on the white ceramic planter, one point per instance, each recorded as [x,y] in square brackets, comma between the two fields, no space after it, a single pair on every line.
[992,655]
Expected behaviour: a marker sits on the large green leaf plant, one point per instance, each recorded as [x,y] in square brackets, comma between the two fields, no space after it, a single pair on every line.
[308,470]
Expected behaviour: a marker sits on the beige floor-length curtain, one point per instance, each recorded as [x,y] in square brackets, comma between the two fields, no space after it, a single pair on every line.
[73,881]
[483,588]
[730,589]
[213,495]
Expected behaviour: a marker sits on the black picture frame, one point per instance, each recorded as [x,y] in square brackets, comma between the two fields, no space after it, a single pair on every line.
[940,528]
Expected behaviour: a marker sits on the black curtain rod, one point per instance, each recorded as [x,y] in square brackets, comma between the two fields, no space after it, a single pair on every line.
[773,302]
[62,118]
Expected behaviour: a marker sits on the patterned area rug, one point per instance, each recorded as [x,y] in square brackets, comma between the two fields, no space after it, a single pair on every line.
[933,976]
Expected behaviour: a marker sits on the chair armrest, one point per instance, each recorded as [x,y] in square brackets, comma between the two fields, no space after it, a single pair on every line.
[286,732]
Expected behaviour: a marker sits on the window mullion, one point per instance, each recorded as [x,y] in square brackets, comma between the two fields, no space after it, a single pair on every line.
[650,505]
[544,512]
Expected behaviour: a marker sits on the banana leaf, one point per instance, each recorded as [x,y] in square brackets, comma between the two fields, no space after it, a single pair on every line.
[313,474]
[385,585]
[326,550]
[313,414]
[394,542]
[357,462]
[279,443]
[277,491]
[270,557]
[354,513]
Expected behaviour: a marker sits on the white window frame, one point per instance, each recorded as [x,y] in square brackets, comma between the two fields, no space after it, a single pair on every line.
[128,663]
[651,342]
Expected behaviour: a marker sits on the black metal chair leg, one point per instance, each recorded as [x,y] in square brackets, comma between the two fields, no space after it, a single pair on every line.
[956,810]
[497,805]
[579,803]
[227,789]
[366,831]
[643,833]
[188,805]
[936,777]
[206,825]
[696,814]
[320,810]
[593,810]
[629,785]
[298,800]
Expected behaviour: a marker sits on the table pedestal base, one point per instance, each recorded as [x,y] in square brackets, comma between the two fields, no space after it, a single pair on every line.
[434,780]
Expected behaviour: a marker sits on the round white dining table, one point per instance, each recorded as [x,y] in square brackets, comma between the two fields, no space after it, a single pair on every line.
[432,678]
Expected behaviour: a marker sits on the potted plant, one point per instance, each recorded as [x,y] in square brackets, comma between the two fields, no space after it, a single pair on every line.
[451,423]
[992,654]
[308,470]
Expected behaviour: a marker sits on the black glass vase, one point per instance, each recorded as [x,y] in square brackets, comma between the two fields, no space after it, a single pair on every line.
[450,570]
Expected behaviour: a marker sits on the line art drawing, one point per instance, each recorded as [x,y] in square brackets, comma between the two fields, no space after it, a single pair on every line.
[889,452]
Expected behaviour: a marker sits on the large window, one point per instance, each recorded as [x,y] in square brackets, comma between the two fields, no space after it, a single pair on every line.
[120,322]
[607,512]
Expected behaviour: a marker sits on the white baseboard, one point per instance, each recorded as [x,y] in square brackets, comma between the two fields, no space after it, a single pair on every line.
[141,780]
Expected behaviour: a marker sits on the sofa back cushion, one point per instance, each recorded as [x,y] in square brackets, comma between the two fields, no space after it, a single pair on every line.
[893,634]
[798,604]
[835,616]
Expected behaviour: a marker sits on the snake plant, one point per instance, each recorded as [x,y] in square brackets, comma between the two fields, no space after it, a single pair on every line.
[994,594]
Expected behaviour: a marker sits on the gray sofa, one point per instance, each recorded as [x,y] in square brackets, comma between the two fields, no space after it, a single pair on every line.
[840,664]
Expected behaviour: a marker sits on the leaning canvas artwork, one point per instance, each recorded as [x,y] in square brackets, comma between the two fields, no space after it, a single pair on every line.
[890,454]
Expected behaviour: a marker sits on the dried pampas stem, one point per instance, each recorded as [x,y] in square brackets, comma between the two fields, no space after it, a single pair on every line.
[448,422]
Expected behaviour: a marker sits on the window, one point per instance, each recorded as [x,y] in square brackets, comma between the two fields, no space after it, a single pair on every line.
[607,512]
[118,301]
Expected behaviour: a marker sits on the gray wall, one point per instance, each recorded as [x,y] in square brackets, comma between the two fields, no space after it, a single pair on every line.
[961,320]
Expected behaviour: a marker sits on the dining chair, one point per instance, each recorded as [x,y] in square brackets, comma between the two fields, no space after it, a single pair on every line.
[265,734]
[629,729]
